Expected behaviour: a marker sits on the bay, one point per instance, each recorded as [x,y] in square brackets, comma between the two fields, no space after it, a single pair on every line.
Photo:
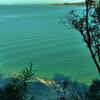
[33,33]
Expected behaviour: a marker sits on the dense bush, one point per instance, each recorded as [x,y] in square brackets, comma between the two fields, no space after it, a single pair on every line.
[72,91]
[94,91]
[15,88]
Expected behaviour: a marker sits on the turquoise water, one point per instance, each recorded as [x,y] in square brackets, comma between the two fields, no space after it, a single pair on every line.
[32,33]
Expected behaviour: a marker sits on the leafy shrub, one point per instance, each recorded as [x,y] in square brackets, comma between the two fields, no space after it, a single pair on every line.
[72,91]
[13,90]
[94,91]
[16,87]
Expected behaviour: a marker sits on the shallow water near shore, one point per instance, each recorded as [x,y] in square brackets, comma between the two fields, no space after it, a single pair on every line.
[32,33]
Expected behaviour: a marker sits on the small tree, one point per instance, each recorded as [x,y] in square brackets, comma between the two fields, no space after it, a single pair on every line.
[16,87]
[89,27]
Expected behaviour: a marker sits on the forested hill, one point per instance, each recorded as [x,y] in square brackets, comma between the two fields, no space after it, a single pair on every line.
[74,3]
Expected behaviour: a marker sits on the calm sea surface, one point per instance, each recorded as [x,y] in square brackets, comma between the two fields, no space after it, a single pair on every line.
[32,33]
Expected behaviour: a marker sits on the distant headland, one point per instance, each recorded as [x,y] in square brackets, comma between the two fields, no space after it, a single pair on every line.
[74,3]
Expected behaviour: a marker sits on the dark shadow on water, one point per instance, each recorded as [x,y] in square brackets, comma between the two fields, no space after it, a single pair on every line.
[60,77]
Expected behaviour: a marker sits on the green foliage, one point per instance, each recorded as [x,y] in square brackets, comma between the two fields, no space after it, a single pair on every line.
[88,24]
[13,90]
[94,91]
[16,87]
[98,11]
[26,74]
[72,91]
